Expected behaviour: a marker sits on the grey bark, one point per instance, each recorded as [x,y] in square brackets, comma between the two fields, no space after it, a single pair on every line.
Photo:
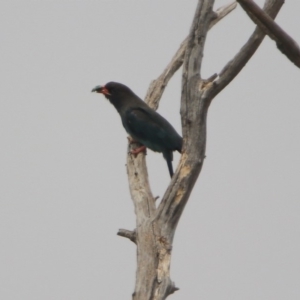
[155,227]
[286,44]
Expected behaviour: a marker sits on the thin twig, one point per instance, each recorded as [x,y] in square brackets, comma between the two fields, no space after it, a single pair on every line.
[127,234]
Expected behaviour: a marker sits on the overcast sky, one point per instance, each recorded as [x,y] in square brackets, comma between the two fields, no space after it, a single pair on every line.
[64,191]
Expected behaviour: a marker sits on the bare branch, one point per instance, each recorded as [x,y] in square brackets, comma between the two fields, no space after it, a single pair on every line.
[234,66]
[193,116]
[144,204]
[139,186]
[284,42]
[127,234]
[222,12]
[196,97]
[157,86]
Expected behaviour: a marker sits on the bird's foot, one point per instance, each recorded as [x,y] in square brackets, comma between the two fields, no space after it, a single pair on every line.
[136,151]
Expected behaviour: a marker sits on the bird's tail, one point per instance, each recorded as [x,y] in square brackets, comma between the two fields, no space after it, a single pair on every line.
[169,157]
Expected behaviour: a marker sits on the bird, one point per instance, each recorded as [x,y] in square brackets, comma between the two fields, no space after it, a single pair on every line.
[142,123]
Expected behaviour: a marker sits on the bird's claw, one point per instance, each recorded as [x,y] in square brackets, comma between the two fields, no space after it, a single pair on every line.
[136,151]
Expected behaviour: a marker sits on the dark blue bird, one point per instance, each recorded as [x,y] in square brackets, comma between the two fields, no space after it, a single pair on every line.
[143,123]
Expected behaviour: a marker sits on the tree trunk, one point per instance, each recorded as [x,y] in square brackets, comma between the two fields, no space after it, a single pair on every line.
[155,227]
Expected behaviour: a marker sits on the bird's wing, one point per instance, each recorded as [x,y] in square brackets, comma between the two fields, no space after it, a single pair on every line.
[150,128]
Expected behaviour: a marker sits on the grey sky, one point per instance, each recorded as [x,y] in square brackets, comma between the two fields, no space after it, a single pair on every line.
[64,191]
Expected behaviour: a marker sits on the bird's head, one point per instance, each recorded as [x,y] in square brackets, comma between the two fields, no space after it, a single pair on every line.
[112,90]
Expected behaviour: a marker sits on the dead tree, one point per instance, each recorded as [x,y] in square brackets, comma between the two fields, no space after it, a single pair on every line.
[155,226]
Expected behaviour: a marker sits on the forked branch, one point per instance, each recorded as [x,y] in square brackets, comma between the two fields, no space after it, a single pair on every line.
[197,95]
[137,167]
[156,226]
[158,85]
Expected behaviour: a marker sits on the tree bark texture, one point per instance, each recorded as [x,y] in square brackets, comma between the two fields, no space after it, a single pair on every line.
[155,226]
